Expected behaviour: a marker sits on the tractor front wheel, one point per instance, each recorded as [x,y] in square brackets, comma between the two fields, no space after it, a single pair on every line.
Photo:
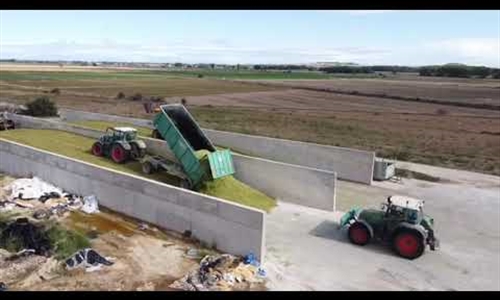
[409,244]
[118,154]
[97,149]
[359,234]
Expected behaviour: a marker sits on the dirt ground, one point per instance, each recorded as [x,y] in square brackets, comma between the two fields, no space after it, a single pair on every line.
[144,259]
[447,89]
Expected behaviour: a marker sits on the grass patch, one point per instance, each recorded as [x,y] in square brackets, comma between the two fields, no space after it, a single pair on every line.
[102,125]
[416,175]
[78,147]
[231,189]
[65,242]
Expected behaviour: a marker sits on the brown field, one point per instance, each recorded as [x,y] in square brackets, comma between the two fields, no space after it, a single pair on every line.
[445,135]
[476,91]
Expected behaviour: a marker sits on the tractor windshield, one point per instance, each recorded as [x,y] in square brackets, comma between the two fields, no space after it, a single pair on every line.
[130,136]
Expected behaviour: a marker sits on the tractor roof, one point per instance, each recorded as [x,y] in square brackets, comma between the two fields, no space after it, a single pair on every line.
[406,202]
[125,129]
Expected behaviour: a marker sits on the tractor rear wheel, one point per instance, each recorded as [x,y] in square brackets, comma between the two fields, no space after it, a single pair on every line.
[409,244]
[97,149]
[118,154]
[359,234]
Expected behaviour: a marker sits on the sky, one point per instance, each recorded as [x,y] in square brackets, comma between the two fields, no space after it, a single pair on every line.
[410,38]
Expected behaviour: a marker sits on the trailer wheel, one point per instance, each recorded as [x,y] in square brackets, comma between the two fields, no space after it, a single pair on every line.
[118,154]
[185,184]
[359,234]
[409,244]
[147,167]
[156,135]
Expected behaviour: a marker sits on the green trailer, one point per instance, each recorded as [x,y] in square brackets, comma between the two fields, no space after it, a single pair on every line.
[198,158]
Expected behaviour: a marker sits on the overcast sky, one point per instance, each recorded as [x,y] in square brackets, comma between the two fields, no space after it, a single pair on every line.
[366,37]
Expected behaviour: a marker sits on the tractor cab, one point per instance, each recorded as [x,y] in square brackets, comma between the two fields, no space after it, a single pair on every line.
[404,209]
[121,134]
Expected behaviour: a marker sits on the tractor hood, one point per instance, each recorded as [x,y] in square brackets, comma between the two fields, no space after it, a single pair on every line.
[353,213]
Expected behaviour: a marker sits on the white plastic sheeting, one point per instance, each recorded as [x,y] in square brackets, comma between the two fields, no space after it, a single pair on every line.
[31,188]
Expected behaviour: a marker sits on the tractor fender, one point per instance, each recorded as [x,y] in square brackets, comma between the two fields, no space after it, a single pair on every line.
[125,145]
[370,229]
[416,227]
[140,144]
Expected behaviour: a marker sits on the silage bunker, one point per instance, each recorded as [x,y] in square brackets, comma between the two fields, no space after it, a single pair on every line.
[77,146]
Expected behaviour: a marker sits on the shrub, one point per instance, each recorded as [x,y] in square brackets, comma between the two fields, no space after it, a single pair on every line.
[41,107]
[136,97]
[200,75]
[120,95]
[183,101]
[55,91]
[441,112]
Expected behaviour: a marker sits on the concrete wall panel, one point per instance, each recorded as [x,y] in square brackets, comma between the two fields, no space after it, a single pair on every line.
[349,164]
[290,183]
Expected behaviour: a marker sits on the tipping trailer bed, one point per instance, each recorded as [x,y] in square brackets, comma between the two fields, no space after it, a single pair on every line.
[184,137]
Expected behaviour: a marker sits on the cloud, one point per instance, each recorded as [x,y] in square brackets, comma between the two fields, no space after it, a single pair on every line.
[472,50]
[215,51]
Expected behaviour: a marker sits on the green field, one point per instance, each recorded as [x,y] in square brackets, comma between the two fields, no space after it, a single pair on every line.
[76,146]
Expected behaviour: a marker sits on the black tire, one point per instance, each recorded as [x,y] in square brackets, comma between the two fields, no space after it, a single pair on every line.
[359,234]
[148,168]
[408,243]
[136,152]
[185,184]
[156,134]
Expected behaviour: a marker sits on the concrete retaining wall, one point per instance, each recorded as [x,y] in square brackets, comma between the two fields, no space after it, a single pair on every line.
[349,164]
[290,183]
[230,227]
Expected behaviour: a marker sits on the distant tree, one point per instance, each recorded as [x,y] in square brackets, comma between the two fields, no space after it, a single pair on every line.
[120,95]
[41,107]
[136,97]
[200,75]
[183,101]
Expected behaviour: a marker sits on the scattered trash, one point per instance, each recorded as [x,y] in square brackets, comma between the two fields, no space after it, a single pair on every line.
[143,226]
[90,205]
[7,206]
[193,253]
[31,188]
[22,253]
[261,272]
[87,258]
[47,196]
[3,287]
[224,272]
[251,260]
[41,214]
[24,203]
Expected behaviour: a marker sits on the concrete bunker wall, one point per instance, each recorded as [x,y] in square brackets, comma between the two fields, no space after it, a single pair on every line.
[230,227]
[349,164]
[290,183]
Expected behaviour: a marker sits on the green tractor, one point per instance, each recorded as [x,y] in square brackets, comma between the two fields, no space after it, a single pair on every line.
[401,222]
[121,144]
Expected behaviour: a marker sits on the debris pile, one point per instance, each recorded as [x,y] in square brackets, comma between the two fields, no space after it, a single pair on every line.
[44,199]
[223,273]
